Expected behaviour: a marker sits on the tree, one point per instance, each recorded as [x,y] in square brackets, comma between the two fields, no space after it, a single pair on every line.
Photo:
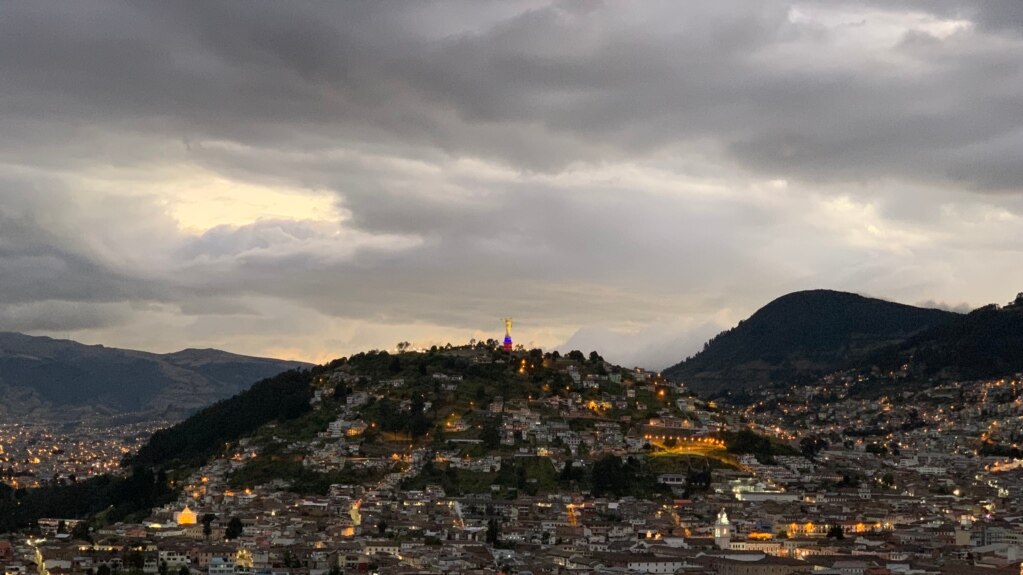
[103,569]
[341,392]
[234,529]
[81,531]
[567,473]
[848,481]
[493,531]
[417,422]
[184,570]
[134,561]
[876,449]
[810,446]
[207,524]
[491,434]
[395,365]
[521,477]
[610,475]
[698,480]
[162,569]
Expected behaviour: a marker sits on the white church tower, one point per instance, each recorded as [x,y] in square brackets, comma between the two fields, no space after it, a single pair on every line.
[722,531]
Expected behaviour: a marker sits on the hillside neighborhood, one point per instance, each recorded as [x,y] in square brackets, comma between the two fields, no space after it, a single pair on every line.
[473,460]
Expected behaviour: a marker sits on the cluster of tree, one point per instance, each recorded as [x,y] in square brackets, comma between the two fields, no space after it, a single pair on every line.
[594,358]
[999,450]
[611,475]
[848,481]
[416,421]
[447,478]
[520,475]
[876,449]
[491,432]
[571,474]
[193,441]
[121,497]
[749,442]
[811,445]
[698,480]
[836,532]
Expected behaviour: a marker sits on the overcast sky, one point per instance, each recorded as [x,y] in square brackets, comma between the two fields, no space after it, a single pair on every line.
[310,180]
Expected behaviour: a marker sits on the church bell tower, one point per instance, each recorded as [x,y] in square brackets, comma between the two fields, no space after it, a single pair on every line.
[722,531]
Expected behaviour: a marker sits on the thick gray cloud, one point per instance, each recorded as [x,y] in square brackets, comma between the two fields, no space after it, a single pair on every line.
[334,177]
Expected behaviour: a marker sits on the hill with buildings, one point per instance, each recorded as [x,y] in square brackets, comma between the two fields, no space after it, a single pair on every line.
[46,378]
[444,416]
[803,335]
[380,459]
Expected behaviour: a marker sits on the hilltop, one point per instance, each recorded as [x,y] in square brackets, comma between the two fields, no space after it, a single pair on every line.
[444,416]
[48,378]
[802,335]
[409,398]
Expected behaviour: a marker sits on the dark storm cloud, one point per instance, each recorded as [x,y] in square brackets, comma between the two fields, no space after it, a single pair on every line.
[538,90]
[571,163]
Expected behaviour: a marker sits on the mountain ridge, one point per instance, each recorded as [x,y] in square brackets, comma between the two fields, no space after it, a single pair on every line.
[803,334]
[51,378]
[985,343]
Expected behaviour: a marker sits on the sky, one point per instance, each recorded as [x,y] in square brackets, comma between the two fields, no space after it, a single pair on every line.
[308,180]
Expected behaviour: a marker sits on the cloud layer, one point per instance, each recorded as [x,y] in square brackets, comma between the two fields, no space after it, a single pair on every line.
[311,180]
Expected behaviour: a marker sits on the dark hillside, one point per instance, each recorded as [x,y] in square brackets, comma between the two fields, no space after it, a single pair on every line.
[45,378]
[985,343]
[802,334]
[195,439]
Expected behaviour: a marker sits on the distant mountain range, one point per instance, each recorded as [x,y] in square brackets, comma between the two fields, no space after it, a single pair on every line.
[803,335]
[48,378]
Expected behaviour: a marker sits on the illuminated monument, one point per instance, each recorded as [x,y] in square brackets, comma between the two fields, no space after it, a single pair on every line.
[507,334]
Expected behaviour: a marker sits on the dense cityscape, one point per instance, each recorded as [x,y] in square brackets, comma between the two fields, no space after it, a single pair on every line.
[582,467]
[511,287]
[38,453]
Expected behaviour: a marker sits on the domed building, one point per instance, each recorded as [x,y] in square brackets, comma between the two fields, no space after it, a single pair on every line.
[185,517]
